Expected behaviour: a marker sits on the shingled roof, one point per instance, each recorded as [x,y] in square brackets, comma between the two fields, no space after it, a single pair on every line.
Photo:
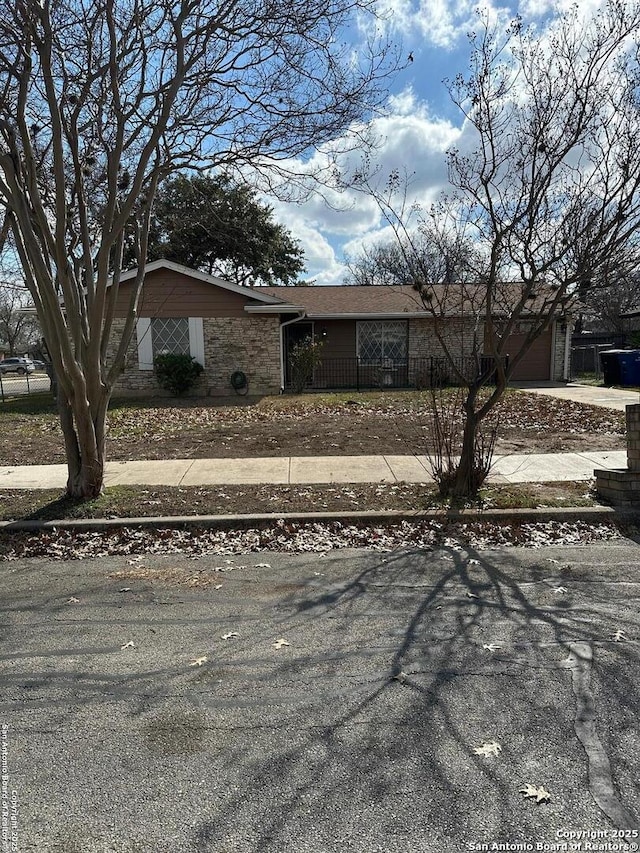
[455,300]
[343,299]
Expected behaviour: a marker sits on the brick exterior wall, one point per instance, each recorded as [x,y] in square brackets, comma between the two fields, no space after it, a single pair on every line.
[249,344]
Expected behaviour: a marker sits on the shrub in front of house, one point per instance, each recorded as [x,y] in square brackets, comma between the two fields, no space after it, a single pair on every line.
[304,357]
[176,373]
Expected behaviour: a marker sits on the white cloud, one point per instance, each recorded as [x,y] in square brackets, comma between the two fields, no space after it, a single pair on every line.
[438,23]
[411,141]
[531,9]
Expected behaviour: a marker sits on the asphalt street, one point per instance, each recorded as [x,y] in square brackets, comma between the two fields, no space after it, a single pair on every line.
[359,701]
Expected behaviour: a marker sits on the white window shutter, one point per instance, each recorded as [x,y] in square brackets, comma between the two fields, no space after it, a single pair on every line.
[196,339]
[145,344]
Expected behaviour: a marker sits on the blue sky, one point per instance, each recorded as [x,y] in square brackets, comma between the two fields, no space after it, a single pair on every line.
[420,123]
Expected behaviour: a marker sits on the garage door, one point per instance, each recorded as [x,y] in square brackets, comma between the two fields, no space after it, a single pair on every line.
[536,364]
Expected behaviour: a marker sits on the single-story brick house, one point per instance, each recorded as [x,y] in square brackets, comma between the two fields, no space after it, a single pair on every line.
[372,336]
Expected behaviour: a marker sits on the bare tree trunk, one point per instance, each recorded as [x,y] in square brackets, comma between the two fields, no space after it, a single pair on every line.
[476,451]
[464,484]
[84,438]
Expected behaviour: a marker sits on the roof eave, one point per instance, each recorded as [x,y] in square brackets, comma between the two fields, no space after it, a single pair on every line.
[274,309]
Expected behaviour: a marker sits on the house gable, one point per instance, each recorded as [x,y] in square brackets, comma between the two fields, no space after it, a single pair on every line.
[171,290]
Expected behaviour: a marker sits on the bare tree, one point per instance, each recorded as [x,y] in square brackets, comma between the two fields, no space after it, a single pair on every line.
[19,329]
[430,252]
[547,187]
[603,308]
[100,100]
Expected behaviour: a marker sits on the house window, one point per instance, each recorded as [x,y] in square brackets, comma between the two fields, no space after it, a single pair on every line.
[382,340]
[158,335]
[170,335]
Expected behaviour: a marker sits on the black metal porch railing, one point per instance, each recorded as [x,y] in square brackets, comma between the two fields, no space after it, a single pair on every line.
[430,372]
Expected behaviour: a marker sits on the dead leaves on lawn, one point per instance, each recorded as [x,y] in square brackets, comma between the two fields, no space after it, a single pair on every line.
[515,411]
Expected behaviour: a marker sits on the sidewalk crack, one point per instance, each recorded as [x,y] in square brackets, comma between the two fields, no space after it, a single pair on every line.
[193,462]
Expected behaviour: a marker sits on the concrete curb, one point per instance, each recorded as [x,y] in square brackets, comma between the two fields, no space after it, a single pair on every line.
[226,522]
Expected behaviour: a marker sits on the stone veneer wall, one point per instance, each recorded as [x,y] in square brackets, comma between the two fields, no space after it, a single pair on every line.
[132,381]
[621,486]
[423,343]
[459,336]
[558,354]
[249,344]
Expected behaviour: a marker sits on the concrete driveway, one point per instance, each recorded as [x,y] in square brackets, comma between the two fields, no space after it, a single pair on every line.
[351,701]
[609,398]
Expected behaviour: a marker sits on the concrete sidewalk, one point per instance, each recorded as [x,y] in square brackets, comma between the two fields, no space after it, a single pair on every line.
[608,398]
[300,470]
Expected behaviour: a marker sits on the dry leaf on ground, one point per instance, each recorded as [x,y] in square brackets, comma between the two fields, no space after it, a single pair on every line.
[489,748]
[539,794]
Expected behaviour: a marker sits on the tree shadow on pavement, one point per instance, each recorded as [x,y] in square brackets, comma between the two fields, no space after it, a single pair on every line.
[364,732]
[382,749]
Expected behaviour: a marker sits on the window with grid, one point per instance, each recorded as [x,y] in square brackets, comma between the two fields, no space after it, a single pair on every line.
[170,335]
[382,341]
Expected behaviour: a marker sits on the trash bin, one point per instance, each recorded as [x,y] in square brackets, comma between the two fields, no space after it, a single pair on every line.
[621,367]
[630,368]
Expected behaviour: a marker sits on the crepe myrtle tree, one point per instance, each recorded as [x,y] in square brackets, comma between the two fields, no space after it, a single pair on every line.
[100,100]
[546,188]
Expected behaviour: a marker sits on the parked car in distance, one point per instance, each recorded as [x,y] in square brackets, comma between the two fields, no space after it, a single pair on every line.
[16,365]
[39,365]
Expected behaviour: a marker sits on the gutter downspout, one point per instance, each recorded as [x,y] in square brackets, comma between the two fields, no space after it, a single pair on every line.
[301,316]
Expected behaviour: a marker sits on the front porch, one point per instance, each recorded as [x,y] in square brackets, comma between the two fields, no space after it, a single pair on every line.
[385,374]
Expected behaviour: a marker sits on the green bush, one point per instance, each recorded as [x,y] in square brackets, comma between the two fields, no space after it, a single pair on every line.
[304,357]
[176,373]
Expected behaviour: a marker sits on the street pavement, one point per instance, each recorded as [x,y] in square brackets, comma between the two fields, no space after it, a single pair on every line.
[360,701]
